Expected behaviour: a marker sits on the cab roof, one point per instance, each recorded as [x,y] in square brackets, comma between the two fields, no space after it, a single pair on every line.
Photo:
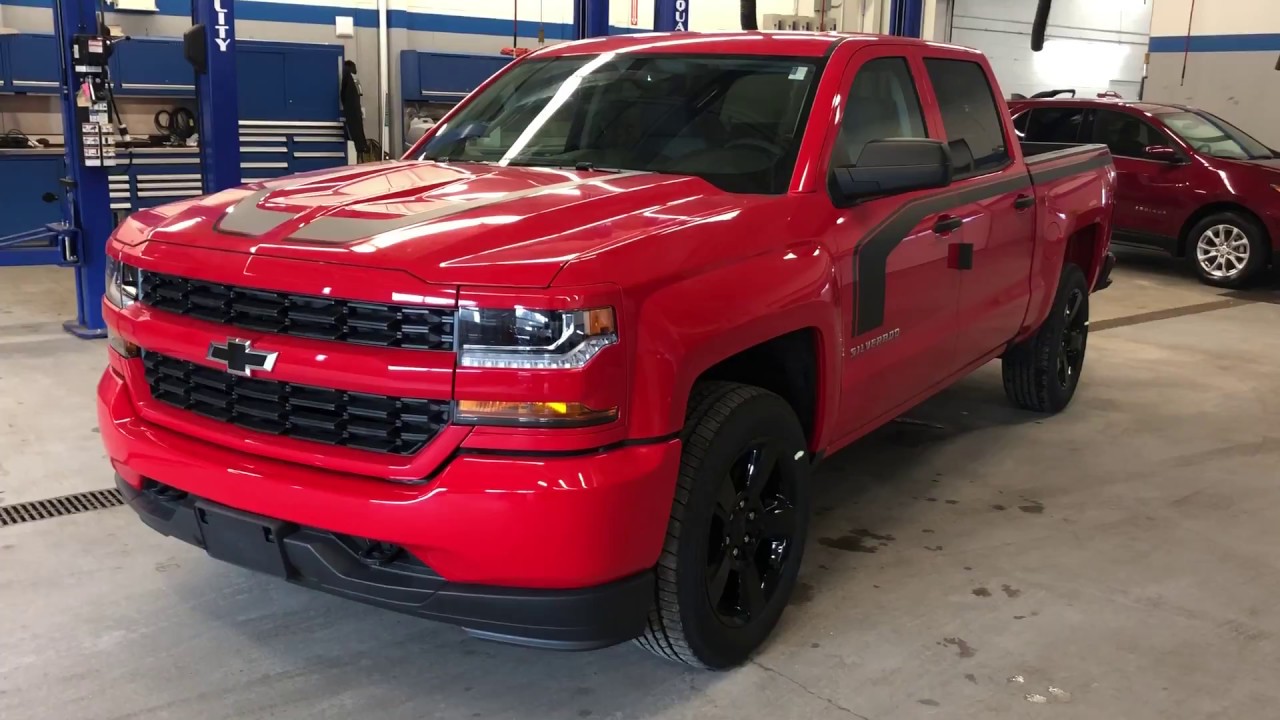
[777,43]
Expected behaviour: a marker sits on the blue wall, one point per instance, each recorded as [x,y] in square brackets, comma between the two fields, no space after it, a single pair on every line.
[364,17]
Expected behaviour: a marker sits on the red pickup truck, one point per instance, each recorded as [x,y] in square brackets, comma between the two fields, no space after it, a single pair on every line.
[560,375]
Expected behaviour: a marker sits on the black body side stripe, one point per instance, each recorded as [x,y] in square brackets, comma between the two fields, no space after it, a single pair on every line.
[1057,172]
[871,256]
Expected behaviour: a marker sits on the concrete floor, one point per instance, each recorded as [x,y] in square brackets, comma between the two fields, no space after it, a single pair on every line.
[1116,561]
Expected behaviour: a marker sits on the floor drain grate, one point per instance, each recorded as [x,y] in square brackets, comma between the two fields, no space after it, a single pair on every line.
[57,507]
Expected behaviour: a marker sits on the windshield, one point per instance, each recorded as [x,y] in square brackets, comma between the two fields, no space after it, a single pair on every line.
[733,121]
[1214,136]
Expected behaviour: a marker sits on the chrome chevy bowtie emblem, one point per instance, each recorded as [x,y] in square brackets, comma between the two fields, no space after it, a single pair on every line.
[240,358]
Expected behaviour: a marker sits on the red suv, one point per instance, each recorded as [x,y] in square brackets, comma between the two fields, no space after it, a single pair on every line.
[1189,183]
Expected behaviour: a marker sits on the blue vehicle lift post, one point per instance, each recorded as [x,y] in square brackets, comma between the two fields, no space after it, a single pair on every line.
[671,15]
[213,27]
[906,18]
[89,218]
[590,18]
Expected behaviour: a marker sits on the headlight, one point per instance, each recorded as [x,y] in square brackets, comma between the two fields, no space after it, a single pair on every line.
[533,339]
[122,283]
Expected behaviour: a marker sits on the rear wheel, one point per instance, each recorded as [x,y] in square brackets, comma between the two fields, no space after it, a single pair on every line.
[737,528]
[1042,372]
[1228,249]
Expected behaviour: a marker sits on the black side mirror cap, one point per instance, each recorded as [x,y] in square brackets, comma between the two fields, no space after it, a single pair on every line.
[891,166]
[1163,153]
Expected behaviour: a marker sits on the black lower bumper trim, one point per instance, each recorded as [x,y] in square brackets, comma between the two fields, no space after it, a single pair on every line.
[1104,277]
[578,619]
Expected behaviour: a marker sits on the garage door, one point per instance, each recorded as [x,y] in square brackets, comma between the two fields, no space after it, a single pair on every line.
[1091,46]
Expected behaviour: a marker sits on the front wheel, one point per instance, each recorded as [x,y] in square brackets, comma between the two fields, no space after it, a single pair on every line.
[1042,372]
[737,528]
[1228,249]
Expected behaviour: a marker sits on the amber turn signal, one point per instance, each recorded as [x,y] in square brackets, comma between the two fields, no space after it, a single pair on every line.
[516,412]
[122,346]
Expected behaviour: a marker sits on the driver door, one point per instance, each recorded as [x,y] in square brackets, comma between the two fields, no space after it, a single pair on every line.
[899,293]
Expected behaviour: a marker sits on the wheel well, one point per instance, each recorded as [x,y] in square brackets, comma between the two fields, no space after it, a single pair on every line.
[786,365]
[1211,209]
[1082,250]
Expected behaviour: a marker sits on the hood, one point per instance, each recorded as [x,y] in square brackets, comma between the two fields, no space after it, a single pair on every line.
[1272,164]
[464,224]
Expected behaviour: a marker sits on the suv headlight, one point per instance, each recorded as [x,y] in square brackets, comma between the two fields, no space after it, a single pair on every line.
[122,283]
[527,339]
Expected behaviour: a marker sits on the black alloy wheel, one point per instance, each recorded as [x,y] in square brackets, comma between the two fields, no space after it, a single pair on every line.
[735,539]
[1042,372]
[1074,335]
[751,537]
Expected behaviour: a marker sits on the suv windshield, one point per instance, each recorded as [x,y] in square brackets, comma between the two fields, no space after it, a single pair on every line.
[1214,136]
[734,121]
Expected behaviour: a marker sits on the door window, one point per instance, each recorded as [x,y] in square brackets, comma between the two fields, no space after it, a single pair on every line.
[975,130]
[1054,125]
[1126,135]
[882,103]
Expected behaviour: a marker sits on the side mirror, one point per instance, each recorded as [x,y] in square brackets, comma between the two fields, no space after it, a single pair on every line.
[888,167]
[1162,153]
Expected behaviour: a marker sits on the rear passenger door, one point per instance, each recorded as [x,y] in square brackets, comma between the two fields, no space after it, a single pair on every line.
[893,266]
[994,204]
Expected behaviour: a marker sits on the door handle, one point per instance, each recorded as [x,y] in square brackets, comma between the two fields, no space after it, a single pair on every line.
[947,223]
[1022,202]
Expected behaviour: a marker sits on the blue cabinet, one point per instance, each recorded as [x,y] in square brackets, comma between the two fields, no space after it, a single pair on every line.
[31,63]
[25,177]
[260,82]
[445,76]
[152,67]
[283,80]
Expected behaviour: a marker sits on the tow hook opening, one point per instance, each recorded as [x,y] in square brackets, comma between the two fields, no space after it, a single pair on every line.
[376,554]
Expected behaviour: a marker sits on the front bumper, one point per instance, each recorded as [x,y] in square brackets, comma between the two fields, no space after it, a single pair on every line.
[578,619]
[549,521]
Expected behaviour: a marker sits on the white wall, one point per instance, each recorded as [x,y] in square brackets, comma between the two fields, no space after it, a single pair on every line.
[1091,45]
[712,15]
[1231,67]
[1216,17]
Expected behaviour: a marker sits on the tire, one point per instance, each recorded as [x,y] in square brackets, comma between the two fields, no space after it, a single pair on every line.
[1042,372]
[1228,249]
[704,614]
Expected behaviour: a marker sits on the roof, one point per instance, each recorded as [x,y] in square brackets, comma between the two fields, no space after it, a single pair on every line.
[1142,106]
[789,44]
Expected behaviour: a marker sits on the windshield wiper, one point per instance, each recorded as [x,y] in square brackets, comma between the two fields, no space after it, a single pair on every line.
[582,166]
[447,159]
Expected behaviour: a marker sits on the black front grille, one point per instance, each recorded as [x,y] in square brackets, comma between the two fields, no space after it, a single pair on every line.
[338,417]
[401,326]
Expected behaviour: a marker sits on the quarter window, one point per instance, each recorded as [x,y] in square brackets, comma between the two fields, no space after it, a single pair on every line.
[1054,125]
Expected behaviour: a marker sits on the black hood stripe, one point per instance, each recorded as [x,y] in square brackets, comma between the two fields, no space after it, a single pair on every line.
[246,218]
